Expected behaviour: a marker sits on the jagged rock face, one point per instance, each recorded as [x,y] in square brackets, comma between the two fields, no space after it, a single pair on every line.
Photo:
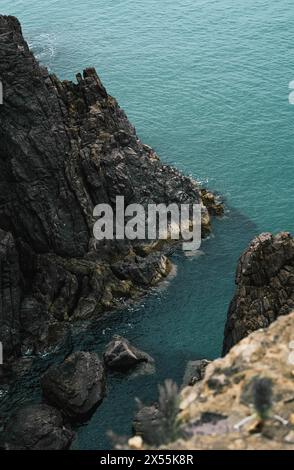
[64,148]
[265,286]
[37,427]
[10,294]
[212,409]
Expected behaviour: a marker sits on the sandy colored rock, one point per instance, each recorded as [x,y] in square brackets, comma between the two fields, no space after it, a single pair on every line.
[211,409]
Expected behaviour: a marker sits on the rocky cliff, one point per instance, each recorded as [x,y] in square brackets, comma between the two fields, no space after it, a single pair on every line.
[265,286]
[224,411]
[64,148]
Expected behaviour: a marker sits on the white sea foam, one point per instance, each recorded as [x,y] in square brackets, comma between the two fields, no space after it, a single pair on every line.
[44,46]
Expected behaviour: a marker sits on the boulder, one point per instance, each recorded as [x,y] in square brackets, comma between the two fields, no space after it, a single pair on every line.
[76,386]
[121,355]
[37,427]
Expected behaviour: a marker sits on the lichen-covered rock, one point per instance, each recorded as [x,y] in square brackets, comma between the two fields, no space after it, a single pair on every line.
[64,148]
[77,386]
[36,427]
[121,355]
[213,410]
[265,286]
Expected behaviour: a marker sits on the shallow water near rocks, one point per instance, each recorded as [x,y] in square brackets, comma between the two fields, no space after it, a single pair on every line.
[206,84]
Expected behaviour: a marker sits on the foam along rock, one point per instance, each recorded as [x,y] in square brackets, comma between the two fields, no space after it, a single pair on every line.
[76,386]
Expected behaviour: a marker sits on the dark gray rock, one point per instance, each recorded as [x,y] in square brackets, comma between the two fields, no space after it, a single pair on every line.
[195,371]
[77,386]
[121,355]
[265,286]
[146,423]
[64,148]
[143,271]
[37,427]
[10,296]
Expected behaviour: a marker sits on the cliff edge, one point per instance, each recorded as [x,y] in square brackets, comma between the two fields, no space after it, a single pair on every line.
[220,412]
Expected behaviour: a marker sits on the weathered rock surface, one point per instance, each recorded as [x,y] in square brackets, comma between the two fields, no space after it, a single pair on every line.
[10,294]
[265,286]
[213,411]
[64,148]
[121,355]
[77,386]
[36,427]
[195,371]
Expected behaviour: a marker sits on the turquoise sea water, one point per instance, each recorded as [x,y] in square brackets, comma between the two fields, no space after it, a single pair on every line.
[206,84]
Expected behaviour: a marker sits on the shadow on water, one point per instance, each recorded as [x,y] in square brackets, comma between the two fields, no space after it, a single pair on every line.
[181,320]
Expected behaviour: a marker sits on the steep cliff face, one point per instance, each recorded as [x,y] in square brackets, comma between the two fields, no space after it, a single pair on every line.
[265,286]
[64,148]
[223,411]
[9,293]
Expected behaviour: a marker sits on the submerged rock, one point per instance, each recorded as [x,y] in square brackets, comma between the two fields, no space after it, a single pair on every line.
[195,371]
[76,386]
[121,355]
[37,427]
[265,286]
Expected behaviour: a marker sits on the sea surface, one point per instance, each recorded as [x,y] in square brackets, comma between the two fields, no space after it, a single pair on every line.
[206,83]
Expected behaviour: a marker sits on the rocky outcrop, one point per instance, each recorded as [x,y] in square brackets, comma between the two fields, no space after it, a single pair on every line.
[265,286]
[36,427]
[121,355]
[246,399]
[77,386]
[195,371]
[64,148]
